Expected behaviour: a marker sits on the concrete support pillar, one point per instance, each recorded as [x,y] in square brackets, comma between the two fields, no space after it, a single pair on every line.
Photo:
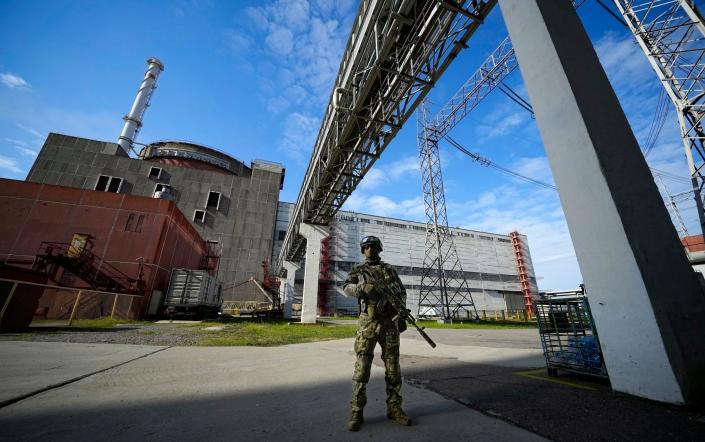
[288,292]
[314,235]
[648,306]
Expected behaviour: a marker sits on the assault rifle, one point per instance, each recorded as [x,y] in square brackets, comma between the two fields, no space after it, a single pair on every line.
[393,287]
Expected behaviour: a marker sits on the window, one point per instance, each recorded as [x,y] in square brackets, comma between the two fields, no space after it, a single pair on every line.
[102,183]
[108,184]
[213,200]
[138,227]
[364,220]
[199,216]
[161,187]
[115,185]
[130,220]
[282,235]
[397,225]
[155,173]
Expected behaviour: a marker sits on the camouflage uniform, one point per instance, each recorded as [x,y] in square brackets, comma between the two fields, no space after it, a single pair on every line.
[377,324]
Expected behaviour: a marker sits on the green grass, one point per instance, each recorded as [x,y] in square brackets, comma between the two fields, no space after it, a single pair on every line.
[106,322]
[481,325]
[271,333]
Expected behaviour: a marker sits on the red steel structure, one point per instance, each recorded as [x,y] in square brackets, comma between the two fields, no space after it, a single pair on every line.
[694,243]
[523,273]
[139,239]
[271,284]
[324,279]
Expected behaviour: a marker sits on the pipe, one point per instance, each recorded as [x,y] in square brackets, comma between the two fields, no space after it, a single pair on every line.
[133,120]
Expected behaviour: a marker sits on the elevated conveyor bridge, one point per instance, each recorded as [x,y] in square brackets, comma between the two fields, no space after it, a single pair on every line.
[396,52]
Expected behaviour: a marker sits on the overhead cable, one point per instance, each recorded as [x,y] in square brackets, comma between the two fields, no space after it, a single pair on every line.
[509,92]
[613,14]
[657,123]
[487,162]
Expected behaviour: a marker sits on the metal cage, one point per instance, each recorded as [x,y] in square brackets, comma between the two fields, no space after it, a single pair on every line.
[568,335]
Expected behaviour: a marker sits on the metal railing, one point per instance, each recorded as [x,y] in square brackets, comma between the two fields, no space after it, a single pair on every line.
[506,315]
[60,303]
[84,264]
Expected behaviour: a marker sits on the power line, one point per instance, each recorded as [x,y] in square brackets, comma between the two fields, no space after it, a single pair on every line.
[613,14]
[657,123]
[669,175]
[509,92]
[487,162]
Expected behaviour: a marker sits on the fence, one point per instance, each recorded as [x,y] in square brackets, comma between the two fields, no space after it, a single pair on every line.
[485,315]
[28,302]
[506,315]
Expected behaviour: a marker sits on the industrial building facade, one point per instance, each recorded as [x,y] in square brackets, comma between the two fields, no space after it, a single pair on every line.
[226,201]
[128,244]
[489,260]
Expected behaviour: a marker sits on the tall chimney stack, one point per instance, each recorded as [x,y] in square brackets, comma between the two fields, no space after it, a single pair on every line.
[133,120]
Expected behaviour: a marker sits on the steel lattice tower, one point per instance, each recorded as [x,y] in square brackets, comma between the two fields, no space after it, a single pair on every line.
[444,290]
[672,35]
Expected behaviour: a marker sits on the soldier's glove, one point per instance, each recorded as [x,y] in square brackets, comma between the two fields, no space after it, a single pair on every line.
[368,289]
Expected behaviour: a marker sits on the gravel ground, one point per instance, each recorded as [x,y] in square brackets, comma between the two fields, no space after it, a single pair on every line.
[140,334]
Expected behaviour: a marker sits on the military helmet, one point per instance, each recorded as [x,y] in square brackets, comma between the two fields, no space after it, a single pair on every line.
[371,241]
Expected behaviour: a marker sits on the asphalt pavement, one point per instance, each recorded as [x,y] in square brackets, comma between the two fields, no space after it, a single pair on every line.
[476,385]
[82,392]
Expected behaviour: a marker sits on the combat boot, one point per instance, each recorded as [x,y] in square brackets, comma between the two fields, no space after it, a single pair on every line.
[355,421]
[395,413]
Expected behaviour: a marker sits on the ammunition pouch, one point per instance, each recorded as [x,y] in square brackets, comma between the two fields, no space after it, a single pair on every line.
[401,324]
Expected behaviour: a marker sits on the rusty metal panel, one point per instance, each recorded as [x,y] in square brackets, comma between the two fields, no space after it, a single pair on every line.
[124,228]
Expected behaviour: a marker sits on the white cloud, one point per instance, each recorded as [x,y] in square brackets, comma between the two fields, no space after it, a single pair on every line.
[381,175]
[299,44]
[403,166]
[14,81]
[506,123]
[384,206]
[280,40]
[35,133]
[623,61]
[536,168]
[299,134]
[15,142]
[21,146]
[237,41]
[373,179]
[10,164]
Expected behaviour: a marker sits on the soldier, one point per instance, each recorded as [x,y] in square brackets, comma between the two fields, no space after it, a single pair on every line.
[378,323]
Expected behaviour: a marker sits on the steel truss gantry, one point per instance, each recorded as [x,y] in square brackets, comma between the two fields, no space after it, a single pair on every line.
[396,52]
[444,291]
[672,35]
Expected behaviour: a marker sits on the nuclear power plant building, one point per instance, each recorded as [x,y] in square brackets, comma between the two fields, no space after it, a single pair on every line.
[489,260]
[231,205]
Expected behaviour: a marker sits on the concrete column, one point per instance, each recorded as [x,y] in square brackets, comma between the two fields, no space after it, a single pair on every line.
[314,235]
[649,308]
[288,292]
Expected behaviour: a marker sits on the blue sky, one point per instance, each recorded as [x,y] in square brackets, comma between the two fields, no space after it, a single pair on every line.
[253,79]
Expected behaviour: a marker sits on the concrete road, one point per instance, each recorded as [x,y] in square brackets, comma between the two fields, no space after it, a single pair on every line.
[295,392]
[30,367]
